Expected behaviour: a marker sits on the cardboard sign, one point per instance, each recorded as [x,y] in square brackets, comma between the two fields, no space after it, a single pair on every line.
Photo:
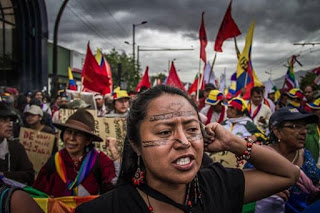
[38,146]
[227,159]
[104,127]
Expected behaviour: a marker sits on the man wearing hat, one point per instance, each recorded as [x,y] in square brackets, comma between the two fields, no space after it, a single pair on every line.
[78,169]
[33,117]
[313,135]
[101,108]
[120,104]
[239,123]
[215,110]
[14,162]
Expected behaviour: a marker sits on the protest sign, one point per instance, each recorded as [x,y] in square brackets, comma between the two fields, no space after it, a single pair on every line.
[227,159]
[38,146]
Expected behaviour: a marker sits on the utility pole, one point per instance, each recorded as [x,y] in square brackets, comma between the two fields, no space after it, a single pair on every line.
[54,81]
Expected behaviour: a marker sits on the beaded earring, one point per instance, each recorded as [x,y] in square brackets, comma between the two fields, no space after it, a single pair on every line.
[138,177]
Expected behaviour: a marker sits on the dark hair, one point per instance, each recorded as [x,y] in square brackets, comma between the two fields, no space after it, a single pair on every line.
[136,115]
[258,90]
[35,101]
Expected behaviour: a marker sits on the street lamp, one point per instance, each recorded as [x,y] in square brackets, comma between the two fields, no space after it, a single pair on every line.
[133,41]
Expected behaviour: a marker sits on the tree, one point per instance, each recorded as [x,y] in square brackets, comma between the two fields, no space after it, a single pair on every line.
[160,76]
[308,80]
[130,76]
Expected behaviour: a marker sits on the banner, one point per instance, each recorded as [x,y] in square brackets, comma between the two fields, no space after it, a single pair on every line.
[104,127]
[38,146]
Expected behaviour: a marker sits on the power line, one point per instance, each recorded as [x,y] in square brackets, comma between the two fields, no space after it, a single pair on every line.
[87,25]
[126,33]
[94,29]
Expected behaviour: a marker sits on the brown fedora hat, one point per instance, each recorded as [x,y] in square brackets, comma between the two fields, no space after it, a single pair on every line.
[81,120]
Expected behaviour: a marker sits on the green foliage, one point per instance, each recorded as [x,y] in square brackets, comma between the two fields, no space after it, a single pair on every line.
[160,76]
[308,80]
[130,76]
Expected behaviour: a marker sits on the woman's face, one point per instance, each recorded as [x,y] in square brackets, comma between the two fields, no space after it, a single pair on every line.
[75,142]
[171,141]
[293,134]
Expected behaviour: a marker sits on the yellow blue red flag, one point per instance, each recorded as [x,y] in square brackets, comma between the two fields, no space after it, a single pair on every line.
[246,76]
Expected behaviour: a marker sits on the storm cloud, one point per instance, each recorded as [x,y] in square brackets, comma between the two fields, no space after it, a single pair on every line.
[175,24]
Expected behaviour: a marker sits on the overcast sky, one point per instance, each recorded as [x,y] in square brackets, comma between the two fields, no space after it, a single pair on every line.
[175,24]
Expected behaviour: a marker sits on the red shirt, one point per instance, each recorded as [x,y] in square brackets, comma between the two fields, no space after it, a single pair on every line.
[54,186]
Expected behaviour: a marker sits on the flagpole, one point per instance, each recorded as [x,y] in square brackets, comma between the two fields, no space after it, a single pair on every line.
[213,62]
[198,88]
[236,47]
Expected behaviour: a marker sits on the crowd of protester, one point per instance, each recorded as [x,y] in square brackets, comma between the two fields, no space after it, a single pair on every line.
[288,125]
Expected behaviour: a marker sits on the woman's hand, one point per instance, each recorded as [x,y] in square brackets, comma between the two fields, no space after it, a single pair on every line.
[111,144]
[284,195]
[217,138]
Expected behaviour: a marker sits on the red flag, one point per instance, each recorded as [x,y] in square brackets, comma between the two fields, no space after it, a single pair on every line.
[144,81]
[316,71]
[173,79]
[203,40]
[94,77]
[194,85]
[106,69]
[228,29]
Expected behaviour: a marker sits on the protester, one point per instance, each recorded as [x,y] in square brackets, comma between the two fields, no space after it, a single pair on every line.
[258,111]
[33,117]
[56,105]
[162,157]
[101,108]
[313,136]
[288,129]
[78,169]
[283,100]
[307,97]
[215,111]
[239,123]
[43,104]
[120,104]
[295,99]
[14,162]
[308,93]
[202,99]
[272,95]
[63,105]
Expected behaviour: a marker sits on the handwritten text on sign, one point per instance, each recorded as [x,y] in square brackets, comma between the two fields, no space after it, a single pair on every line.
[38,146]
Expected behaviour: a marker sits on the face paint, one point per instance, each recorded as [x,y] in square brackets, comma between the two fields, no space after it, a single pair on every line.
[163,142]
[171,115]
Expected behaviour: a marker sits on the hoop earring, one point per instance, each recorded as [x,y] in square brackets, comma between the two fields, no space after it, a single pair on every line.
[138,177]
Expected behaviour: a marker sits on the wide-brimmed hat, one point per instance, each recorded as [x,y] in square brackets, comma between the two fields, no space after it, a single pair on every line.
[7,112]
[315,104]
[214,97]
[238,103]
[78,104]
[290,114]
[34,110]
[81,120]
[295,93]
[120,94]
